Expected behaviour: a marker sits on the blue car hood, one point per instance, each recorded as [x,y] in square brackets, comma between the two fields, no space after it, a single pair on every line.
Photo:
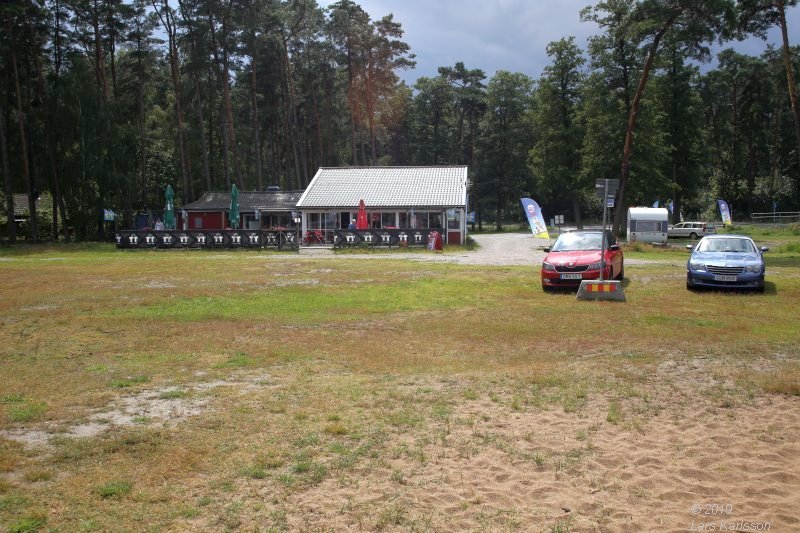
[726,258]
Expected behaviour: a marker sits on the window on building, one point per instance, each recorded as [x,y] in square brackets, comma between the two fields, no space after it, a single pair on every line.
[387,220]
[280,220]
[322,221]
[454,219]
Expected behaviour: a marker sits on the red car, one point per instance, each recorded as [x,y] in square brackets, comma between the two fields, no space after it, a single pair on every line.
[576,256]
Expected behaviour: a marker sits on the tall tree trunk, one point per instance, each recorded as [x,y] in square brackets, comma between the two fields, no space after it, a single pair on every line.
[59,197]
[26,173]
[226,167]
[734,148]
[195,77]
[188,194]
[142,159]
[99,59]
[48,138]
[7,181]
[318,128]
[787,59]
[621,208]
[499,210]
[168,21]
[226,96]
[359,147]
[576,210]
[201,123]
[291,117]
[112,49]
[368,93]
[256,125]
[351,99]
[211,98]
[228,141]
[752,169]
[677,201]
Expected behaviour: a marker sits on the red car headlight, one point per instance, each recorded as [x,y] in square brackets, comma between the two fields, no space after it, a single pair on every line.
[548,267]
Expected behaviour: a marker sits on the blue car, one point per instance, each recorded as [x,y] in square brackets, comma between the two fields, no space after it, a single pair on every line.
[726,262]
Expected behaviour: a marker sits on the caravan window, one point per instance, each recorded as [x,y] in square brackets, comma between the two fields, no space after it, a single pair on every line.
[648,225]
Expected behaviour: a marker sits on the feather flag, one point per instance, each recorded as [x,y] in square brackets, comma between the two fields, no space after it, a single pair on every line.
[535,218]
[725,211]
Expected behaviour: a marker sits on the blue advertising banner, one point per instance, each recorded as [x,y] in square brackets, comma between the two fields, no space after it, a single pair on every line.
[725,211]
[535,218]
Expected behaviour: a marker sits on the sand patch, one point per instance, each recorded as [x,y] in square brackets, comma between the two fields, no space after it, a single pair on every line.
[545,468]
[166,407]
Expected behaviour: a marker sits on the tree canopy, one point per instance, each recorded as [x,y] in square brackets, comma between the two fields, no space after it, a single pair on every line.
[106,102]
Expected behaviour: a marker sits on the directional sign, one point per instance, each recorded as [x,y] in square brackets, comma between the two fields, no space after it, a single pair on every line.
[610,201]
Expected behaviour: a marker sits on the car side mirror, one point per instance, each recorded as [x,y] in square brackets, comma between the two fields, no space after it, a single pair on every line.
[546,249]
[614,247]
[764,249]
[690,247]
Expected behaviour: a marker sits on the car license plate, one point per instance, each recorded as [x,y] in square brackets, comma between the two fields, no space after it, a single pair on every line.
[571,276]
[724,278]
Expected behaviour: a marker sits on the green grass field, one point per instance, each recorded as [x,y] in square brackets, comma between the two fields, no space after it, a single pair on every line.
[233,390]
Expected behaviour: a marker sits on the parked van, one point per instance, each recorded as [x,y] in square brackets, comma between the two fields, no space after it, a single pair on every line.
[648,224]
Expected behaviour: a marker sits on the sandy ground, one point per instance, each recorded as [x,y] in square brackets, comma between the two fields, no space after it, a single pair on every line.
[686,463]
[689,462]
[686,469]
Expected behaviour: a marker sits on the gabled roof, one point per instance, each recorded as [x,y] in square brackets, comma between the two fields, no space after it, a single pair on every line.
[248,201]
[387,187]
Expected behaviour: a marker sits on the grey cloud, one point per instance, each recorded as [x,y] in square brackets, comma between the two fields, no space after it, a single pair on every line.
[501,34]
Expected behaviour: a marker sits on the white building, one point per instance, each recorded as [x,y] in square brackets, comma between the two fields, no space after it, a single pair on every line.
[395,198]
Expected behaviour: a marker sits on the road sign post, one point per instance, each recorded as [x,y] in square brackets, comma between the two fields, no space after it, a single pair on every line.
[601,289]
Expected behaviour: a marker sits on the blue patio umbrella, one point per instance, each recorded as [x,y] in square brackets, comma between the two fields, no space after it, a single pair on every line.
[169,210]
[233,215]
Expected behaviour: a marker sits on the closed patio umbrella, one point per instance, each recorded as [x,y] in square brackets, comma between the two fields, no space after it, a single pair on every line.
[361,221]
[233,215]
[169,210]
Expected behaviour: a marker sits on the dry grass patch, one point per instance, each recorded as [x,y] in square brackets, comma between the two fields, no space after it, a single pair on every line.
[268,391]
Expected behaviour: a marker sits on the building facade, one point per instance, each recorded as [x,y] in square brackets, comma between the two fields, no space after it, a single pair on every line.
[404,198]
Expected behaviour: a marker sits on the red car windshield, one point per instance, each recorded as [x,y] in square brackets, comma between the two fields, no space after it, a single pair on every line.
[573,242]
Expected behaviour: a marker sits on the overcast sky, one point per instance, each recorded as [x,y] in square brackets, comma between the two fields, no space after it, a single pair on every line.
[502,34]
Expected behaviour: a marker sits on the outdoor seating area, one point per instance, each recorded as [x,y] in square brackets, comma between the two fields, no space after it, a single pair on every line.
[175,239]
[341,208]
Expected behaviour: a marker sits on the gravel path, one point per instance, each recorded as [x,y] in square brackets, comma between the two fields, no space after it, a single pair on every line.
[495,249]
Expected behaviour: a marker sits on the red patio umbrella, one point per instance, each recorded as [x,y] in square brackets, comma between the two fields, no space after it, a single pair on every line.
[361,221]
